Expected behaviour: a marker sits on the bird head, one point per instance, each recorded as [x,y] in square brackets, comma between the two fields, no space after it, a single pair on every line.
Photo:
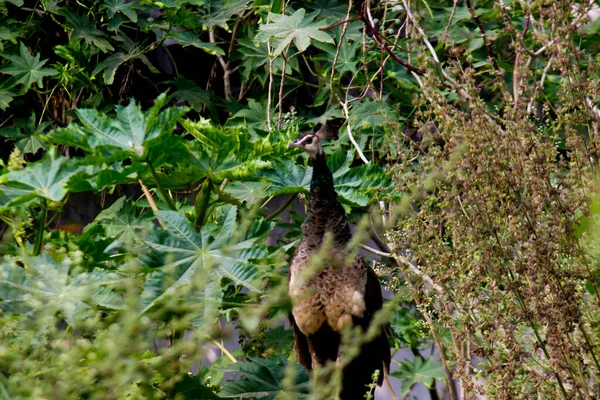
[310,143]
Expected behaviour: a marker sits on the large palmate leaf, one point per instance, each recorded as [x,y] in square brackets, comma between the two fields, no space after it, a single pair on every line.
[288,177]
[37,284]
[83,28]
[248,192]
[266,378]
[123,222]
[216,251]
[47,178]
[418,371]
[230,153]
[298,27]
[355,186]
[26,69]
[129,131]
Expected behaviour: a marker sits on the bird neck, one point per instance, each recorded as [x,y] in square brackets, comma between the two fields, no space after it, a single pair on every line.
[326,214]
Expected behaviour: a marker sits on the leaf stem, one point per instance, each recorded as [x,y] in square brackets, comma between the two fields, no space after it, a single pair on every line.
[162,191]
[39,239]
[282,208]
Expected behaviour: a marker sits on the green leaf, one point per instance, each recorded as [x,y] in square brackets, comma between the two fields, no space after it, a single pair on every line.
[47,178]
[289,178]
[5,99]
[41,285]
[191,39]
[248,192]
[298,28]
[218,12]
[263,378]
[218,248]
[279,340]
[123,222]
[127,8]
[26,134]
[130,130]
[26,69]
[371,114]
[110,66]
[355,186]
[418,371]
[83,28]
[195,96]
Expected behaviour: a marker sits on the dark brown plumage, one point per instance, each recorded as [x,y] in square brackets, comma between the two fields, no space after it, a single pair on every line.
[332,291]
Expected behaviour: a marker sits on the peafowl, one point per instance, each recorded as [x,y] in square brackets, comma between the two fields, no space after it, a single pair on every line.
[340,292]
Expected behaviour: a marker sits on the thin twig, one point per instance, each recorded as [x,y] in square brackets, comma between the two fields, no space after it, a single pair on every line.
[337,51]
[224,350]
[224,65]
[150,201]
[449,23]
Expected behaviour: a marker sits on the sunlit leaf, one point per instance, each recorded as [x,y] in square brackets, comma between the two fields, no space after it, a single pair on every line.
[47,178]
[299,28]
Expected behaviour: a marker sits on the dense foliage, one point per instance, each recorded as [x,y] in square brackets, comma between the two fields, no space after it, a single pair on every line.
[468,152]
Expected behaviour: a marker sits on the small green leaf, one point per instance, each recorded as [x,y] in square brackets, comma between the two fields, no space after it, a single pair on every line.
[191,39]
[26,69]
[127,8]
[418,371]
[26,134]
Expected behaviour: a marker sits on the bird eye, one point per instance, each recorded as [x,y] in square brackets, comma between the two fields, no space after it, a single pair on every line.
[309,140]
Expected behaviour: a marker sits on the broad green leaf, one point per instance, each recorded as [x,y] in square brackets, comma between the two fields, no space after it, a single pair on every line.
[83,28]
[371,114]
[355,186]
[279,340]
[47,178]
[110,66]
[255,116]
[36,284]
[299,28]
[218,249]
[26,134]
[248,192]
[127,8]
[5,99]
[254,55]
[194,95]
[418,371]
[123,222]
[266,378]
[130,130]
[288,177]
[218,12]
[26,69]
[191,39]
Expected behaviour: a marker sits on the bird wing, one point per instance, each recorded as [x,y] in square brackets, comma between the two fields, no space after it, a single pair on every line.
[376,353]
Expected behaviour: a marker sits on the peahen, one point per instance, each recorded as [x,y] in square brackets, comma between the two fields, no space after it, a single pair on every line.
[341,291]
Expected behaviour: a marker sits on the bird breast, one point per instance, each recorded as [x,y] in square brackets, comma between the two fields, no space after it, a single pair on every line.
[334,294]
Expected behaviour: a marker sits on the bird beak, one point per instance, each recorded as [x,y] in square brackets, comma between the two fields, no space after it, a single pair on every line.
[292,144]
